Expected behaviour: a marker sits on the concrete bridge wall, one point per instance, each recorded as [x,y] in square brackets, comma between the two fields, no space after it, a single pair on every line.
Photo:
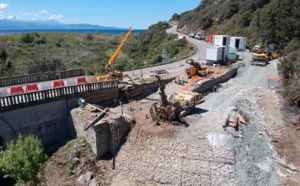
[50,121]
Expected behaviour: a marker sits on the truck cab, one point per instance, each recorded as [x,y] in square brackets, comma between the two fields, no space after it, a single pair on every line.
[192,34]
[198,36]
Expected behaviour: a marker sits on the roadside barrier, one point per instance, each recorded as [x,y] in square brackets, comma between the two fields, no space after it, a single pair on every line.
[33,78]
[32,88]
[31,98]
[81,80]
[16,90]
[57,84]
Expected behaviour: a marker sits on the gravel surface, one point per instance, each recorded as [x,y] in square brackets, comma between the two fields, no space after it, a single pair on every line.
[206,153]
[255,157]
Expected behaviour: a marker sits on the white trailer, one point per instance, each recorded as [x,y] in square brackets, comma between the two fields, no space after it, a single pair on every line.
[216,54]
[222,40]
[238,42]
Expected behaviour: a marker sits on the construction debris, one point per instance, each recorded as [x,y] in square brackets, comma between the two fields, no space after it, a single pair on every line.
[161,72]
[92,108]
[241,119]
[180,82]
[235,122]
[171,108]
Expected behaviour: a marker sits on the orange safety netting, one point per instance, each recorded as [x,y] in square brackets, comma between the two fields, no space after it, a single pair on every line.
[274,79]
[195,78]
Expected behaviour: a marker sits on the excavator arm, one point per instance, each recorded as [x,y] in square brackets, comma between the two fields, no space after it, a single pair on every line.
[113,58]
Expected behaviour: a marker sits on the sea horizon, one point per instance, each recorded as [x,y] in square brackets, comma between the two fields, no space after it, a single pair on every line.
[79,31]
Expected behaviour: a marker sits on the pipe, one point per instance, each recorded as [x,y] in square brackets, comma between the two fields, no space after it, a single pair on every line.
[96,119]
[236,122]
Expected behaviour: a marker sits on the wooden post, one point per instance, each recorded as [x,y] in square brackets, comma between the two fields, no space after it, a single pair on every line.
[141,73]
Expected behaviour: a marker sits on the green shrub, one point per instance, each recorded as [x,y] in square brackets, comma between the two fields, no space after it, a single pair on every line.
[27,38]
[23,159]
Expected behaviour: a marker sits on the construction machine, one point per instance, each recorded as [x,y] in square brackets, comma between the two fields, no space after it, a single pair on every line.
[196,69]
[171,108]
[260,56]
[114,74]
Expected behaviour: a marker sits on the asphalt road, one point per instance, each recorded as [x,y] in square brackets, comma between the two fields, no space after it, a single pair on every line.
[174,66]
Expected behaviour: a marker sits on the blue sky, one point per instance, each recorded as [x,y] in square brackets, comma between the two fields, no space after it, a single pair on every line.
[137,14]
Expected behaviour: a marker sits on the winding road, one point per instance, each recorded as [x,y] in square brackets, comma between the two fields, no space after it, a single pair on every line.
[175,66]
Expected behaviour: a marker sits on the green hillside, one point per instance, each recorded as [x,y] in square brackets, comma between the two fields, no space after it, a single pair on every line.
[277,21]
[33,52]
[274,20]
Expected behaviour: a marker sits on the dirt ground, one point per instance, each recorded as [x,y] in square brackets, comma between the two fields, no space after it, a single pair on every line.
[285,136]
[262,151]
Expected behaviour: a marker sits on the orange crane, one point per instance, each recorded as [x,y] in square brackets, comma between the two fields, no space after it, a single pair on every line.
[117,74]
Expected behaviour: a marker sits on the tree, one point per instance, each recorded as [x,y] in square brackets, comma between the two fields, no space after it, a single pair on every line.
[88,36]
[21,161]
[3,58]
[27,38]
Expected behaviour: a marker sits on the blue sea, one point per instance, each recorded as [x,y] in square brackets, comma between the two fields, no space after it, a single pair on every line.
[79,31]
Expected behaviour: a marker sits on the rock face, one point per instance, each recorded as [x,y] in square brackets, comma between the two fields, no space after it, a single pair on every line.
[106,135]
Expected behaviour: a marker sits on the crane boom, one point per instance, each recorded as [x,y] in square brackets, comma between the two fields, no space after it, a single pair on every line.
[113,58]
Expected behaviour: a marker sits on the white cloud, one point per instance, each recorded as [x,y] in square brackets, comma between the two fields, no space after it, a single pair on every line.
[43,12]
[35,14]
[2,6]
[55,17]
[34,19]
[1,14]
[10,17]
[20,18]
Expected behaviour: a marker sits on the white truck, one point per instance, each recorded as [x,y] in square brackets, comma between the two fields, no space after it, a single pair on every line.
[192,34]
[222,40]
[217,54]
[238,42]
[198,36]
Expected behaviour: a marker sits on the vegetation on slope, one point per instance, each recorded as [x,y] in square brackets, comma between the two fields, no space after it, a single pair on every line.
[23,159]
[273,20]
[276,21]
[39,52]
[290,68]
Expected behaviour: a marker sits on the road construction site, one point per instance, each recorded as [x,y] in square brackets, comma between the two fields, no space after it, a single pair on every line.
[235,134]
[204,148]
[202,151]
[234,137]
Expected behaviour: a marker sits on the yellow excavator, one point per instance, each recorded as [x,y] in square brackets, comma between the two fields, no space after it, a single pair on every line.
[196,69]
[110,74]
[260,56]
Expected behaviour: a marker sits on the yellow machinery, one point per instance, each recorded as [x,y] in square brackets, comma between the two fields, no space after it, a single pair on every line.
[114,74]
[170,108]
[259,54]
[188,99]
[196,69]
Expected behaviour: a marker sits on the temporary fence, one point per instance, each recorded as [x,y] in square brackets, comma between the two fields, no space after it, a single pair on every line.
[197,79]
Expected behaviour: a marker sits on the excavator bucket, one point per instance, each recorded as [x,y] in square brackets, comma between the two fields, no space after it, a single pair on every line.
[154,111]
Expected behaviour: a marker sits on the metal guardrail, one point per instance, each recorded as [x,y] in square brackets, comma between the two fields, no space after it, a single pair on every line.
[51,94]
[8,81]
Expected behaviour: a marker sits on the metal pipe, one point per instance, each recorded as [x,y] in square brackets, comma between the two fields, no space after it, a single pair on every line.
[235,124]
[96,119]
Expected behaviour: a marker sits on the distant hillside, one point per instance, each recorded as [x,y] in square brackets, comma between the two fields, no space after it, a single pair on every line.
[19,24]
[274,20]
